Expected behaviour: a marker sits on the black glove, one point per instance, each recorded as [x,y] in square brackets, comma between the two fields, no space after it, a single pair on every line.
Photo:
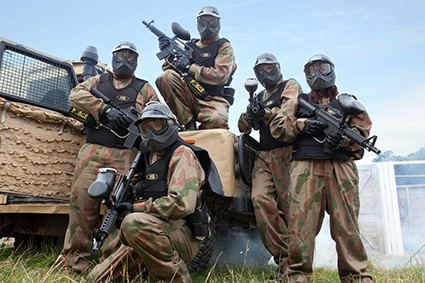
[116,118]
[123,209]
[333,140]
[182,64]
[249,119]
[312,127]
[163,42]
[257,110]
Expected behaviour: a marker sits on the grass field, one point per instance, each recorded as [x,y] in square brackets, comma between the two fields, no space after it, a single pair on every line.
[38,265]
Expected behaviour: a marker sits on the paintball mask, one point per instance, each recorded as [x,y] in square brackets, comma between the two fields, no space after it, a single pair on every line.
[319,72]
[267,70]
[124,59]
[158,126]
[208,22]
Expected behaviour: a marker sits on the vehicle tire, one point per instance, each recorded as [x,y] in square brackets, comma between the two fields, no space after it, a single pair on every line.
[200,262]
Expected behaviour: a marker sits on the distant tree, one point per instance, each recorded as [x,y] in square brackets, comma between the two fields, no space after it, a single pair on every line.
[390,156]
[417,155]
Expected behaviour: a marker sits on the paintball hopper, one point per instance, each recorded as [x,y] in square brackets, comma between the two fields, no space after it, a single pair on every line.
[349,104]
[180,32]
[104,183]
[90,55]
[90,59]
[251,85]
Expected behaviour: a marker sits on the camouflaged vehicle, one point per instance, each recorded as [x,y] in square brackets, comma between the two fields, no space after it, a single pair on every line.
[39,141]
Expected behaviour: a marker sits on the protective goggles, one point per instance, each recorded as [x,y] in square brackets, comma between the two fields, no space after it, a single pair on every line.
[151,123]
[265,69]
[125,53]
[208,21]
[324,68]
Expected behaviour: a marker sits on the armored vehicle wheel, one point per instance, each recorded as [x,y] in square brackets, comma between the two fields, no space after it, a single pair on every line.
[200,262]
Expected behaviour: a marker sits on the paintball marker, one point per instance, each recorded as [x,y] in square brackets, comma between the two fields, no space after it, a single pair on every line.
[251,85]
[178,49]
[123,192]
[90,57]
[349,106]
[131,112]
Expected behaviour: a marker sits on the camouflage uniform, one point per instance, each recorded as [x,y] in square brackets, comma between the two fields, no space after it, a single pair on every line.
[270,178]
[319,185]
[84,211]
[156,237]
[211,112]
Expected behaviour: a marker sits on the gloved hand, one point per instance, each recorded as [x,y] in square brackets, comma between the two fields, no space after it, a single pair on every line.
[249,119]
[312,127]
[163,42]
[333,140]
[182,63]
[116,118]
[123,209]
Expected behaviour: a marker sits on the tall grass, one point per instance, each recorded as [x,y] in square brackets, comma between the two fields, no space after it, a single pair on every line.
[38,265]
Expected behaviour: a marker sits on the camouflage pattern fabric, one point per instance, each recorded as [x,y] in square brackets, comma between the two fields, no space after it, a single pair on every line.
[270,177]
[212,112]
[270,200]
[156,237]
[317,186]
[82,99]
[84,211]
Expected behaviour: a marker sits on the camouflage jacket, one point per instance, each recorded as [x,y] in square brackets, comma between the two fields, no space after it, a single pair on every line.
[185,178]
[82,99]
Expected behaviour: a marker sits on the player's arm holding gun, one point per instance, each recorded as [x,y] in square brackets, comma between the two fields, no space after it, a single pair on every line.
[119,203]
[177,55]
[349,130]
[255,111]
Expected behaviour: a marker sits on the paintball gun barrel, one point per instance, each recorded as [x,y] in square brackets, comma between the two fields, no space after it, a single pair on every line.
[351,107]
[123,192]
[177,47]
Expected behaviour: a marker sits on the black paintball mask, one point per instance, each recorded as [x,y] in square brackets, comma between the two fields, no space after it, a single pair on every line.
[319,72]
[158,127]
[267,70]
[208,22]
[124,59]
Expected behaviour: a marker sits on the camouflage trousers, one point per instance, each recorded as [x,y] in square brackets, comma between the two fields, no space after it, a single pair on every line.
[317,186]
[150,245]
[212,112]
[270,200]
[84,212]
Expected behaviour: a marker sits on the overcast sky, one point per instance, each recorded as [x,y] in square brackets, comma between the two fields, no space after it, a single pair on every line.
[377,46]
